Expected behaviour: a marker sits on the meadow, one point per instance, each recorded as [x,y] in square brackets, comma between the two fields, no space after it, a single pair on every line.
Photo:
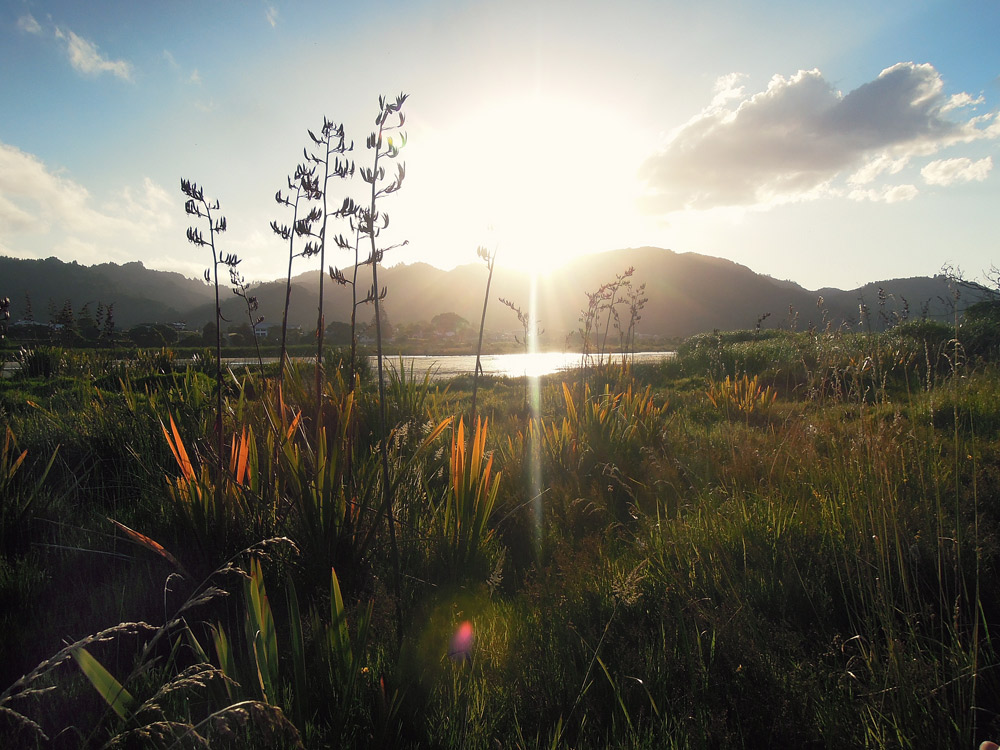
[775,539]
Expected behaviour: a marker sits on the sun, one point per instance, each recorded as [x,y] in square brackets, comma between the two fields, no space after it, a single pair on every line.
[538,175]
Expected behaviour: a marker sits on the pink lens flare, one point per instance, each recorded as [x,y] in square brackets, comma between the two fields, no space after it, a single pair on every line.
[461,642]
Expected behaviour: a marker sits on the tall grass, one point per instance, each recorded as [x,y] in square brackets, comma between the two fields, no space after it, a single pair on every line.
[787,540]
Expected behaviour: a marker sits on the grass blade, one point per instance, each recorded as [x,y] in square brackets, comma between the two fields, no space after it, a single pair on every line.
[116,696]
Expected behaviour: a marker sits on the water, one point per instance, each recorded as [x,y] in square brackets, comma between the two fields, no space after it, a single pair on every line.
[442,367]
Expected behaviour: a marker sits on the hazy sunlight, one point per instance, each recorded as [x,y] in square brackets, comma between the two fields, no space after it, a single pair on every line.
[534,176]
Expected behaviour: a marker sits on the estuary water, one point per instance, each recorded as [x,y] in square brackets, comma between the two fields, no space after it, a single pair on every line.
[442,367]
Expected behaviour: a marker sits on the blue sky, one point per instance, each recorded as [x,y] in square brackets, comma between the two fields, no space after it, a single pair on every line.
[830,144]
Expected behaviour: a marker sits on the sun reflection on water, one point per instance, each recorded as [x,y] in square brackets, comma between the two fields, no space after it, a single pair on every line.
[534,403]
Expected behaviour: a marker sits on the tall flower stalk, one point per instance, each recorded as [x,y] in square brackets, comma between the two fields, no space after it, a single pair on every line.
[341,278]
[372,222]
[490,259]
[332,146]
[241,290]
[305,185]
[201,208]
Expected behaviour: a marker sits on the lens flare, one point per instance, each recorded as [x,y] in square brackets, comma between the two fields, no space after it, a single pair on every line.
[462,642]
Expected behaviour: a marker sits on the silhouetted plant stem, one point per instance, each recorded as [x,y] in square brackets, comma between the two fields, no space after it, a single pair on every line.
[525,320]
[198,206]
[332,143]
[240,290]
[4,316]
[490,259]
[371,220]
[354,308]
[622,280]
[306,185]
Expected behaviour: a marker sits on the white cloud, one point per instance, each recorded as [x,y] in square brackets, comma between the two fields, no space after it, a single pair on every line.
[35,202]
[792,140]
[28,23]
[899,193]
[83,56]
[889,194]
[727,89]
[877,166]
[195,77]
[949,171]
[271,13]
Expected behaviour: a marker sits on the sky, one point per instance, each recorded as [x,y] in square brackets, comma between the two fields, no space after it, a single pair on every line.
[830,144]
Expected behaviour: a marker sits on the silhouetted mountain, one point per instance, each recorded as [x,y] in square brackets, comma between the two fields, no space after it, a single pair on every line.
[687,293]
[139,294]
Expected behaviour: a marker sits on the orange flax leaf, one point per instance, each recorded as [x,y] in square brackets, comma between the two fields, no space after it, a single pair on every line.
[170,442]
[293,425]
[180,456]
[476,459]
[458,457]
[177,448]
[17,463]
[241,466]
[150,544]
[487,470]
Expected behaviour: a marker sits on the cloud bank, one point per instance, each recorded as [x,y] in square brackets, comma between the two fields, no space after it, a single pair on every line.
[42,212]
[792,140]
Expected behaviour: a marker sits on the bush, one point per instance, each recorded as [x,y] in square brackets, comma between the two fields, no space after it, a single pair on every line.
[980,330]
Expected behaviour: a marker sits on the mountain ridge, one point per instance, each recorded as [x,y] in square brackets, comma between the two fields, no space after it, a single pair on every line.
[687,293]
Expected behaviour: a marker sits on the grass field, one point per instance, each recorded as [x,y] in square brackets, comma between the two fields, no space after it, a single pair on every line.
[775,539]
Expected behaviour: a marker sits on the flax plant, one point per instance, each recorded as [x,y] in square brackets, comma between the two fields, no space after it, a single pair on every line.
[490,258]
[339,277]
[332,145]
[21,500]
[201,208]
[622,282]
[240,290]
[471,495]
[305,185]
[372,221]
[524,319]
[4,317]
[637,300]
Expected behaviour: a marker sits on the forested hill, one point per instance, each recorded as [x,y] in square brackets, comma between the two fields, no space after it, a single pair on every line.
[139,294]
[687,293]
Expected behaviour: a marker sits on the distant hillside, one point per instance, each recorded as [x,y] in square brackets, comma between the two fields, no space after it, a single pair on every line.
[688,293]
[139,294]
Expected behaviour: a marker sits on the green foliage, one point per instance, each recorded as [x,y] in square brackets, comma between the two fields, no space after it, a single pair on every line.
[743,396]
[470,497]
[117,697]
[980,330]
[23,498]
[39,361]
[261,633]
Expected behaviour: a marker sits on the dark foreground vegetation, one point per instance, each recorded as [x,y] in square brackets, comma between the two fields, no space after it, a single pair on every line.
[774,540]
